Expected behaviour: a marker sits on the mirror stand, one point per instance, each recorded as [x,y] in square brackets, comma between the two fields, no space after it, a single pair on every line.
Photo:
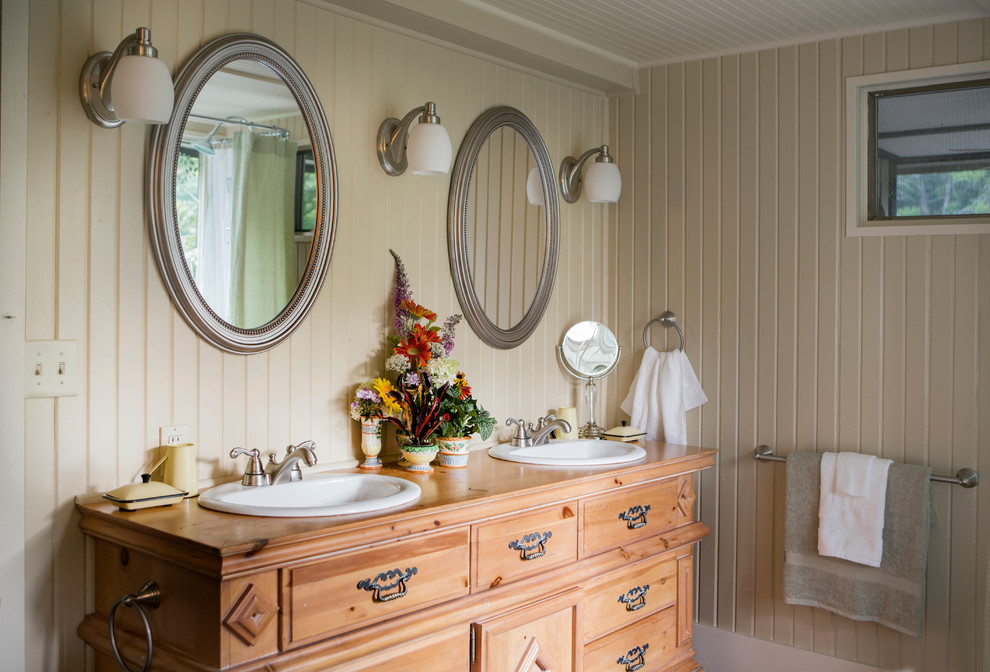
[590,429]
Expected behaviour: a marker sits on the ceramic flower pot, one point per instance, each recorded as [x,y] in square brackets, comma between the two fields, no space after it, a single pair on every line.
[454,451]
[371,442]
[419,458]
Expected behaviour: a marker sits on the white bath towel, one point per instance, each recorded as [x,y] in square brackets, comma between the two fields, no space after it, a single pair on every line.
[664,390]
[850,526]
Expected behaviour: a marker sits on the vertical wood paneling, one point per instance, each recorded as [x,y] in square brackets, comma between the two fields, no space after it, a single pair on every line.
[806,339]
[91,277]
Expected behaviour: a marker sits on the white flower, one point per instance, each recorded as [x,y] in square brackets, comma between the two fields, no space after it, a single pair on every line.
[397,364]
[436,350]
[442,370]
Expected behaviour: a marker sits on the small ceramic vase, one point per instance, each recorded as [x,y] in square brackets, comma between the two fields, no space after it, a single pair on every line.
[419,458]
[454,451]
[371,442]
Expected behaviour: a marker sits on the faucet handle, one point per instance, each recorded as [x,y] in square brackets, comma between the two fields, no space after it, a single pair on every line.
[254,474]
[521,438]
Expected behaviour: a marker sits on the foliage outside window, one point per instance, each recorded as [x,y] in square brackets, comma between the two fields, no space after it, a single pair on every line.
[305,190]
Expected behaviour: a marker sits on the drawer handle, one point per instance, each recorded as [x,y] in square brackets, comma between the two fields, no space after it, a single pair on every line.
[635,598]
[395,579]
[532,546]
[635,516]
[634,658]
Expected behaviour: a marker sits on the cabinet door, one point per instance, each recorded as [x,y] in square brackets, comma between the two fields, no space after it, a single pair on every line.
[541,636]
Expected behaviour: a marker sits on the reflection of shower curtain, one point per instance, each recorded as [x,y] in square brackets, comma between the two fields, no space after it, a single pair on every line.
[263,262]
[213,229]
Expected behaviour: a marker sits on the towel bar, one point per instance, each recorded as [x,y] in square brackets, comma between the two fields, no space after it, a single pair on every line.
[967,478]
[668,320]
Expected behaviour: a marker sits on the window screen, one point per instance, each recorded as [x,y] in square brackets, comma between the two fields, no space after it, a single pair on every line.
[930,151]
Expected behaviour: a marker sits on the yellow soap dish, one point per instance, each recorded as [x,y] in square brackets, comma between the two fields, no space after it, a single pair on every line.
[624,433]
[145,494]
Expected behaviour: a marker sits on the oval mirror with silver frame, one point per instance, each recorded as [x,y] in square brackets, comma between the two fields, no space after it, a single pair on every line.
[242,186]
[589,352]
[502,232]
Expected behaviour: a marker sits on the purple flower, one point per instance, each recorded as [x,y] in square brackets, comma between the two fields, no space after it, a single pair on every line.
[447,333]
[402,293]
[412,380]
[371,395]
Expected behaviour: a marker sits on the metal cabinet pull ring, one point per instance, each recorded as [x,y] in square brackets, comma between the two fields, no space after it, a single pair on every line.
[150,597]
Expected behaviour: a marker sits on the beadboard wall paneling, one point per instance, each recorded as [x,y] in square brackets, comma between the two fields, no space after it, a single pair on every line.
[90,276]
[804,338]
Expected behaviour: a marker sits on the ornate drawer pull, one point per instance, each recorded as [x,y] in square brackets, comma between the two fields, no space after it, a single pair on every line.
[530,543]
[634,658]
[635,598]
[376,585]
[635,516]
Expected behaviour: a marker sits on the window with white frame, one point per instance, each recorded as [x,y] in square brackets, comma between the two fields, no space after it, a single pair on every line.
[919,151]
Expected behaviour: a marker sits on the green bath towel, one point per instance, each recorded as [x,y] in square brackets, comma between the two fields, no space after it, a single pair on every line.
[892,594]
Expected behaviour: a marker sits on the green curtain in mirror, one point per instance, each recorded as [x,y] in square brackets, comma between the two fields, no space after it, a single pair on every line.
[263,273]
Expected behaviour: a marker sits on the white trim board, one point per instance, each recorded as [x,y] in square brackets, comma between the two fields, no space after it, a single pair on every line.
[724,651]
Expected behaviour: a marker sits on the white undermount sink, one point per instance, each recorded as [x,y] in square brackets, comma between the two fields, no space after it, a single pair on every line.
[326,494]
[579,453]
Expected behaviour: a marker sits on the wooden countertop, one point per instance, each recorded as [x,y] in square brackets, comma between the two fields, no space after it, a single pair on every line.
[230,544]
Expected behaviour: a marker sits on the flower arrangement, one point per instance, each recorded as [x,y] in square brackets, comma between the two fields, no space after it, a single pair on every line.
[368,403]
[420,364]
[424,393]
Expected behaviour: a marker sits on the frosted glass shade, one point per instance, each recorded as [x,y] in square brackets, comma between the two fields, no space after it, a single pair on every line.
[534,188]
[428,150]
[602,183]
[141,90]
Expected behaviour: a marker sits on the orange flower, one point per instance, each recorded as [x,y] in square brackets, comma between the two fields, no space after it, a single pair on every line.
[427,335]
[419,311]
[460,382]
[415,348]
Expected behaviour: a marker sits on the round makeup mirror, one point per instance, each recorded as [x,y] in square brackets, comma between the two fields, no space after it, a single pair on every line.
[243,194]
[502,227]
[589,352]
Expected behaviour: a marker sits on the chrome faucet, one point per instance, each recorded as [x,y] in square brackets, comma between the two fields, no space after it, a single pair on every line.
[288,469]
[541,432]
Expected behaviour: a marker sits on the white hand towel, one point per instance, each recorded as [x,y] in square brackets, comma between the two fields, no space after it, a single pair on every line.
[664,390]
[851,526]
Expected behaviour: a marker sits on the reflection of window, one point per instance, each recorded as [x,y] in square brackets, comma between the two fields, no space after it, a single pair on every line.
[930,151]
[305,190]
[187,202]
[918,151]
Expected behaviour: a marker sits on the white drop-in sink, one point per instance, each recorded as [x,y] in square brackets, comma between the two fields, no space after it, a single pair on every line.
[326,494]
[582,452]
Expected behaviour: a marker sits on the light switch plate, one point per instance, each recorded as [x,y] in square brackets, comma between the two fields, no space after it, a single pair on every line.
[51,369]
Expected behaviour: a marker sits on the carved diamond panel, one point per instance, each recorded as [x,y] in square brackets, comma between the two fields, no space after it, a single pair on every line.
[685,499]
[251,614]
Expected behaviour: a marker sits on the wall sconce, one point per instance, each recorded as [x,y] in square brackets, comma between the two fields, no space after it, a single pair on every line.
[132,84]
[425,147]
[603,181]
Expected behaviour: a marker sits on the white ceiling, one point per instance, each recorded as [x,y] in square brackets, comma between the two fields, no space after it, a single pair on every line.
[647,32]
[602,43]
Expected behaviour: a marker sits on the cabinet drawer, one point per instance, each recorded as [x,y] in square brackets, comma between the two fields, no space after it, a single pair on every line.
[523,545]
[645,645]
[356,589]
[626,595]
[636,513]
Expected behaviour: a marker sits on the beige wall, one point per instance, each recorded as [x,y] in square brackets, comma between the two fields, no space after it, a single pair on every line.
[90,276]
[804,338]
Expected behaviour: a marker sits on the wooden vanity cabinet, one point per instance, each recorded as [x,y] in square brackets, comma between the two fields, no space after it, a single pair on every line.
[497,568]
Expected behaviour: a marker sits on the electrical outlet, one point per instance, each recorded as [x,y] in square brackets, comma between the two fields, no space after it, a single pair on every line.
[169,435]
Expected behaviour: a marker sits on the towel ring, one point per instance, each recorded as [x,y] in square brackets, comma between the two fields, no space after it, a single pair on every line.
[668,320]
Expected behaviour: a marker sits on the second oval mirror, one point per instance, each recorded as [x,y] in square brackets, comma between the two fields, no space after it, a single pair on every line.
[502,227]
